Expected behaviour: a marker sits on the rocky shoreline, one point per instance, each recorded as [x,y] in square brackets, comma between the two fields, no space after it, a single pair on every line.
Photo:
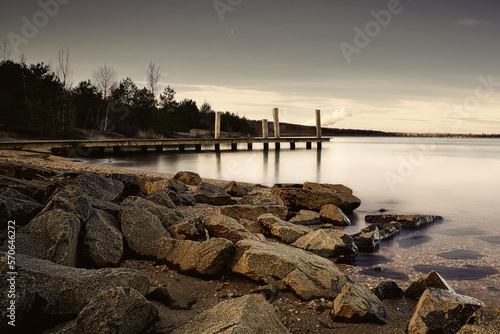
[105,250]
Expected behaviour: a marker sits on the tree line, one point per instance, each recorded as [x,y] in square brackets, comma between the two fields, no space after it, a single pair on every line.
[36,101]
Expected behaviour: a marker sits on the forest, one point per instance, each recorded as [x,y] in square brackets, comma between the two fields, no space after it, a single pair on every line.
[37,102]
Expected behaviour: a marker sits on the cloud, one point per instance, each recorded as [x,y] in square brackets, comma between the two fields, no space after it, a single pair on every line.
[330,119]
[469,22]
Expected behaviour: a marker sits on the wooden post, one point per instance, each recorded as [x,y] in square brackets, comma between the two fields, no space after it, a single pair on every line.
[159,148]
[265,129]
[276,123]
[250,146]
[318,123]
[217,124]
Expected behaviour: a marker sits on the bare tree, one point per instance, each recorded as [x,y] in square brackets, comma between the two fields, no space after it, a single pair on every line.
[22,59]
[106,80]
[4,50]
[64,68]
[153,75]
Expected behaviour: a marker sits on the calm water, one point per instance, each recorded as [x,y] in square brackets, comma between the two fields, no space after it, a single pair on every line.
[455,178]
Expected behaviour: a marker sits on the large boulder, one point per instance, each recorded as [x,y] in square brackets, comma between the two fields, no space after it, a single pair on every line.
[103,241]
[35,189]
[245,315]
[51,236]
[26,171]
[162,197]
[306,217]
[367,239]
[406,221]
[235,190]
[46,288]
[261,199]
[356,303]
[297,198]
[118,310]
[189,178]
[71,199]
[221,226]
[131,183]
[141,229]
[331,214]
[283,230]
[18,207]
[167,216]
[431,280]
[486,320]
[306,274]
[100,186]
[252,212]
[151,185]
[211,194]
[325,187]
[207,258]
[190,229]
[388,290]
[109,207]
[328,243]
[442,311]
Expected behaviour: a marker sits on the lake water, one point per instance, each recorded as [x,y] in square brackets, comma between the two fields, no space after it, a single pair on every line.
[455,178]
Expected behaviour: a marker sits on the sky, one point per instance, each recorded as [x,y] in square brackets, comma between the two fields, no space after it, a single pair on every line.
[397,65]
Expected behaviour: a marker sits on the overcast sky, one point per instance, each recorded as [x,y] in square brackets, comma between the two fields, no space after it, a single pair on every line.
[418,66]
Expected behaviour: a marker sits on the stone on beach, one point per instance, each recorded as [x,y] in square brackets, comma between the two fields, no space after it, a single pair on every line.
[35,189]
[283,230]
[245,315]
[431,280]
[486,320]
[306,274]
[167,216]
[367,240]
[252,212]
[151,185]
[17,206]
[190,229]
[131,183]
[220,226]
[189,178]
[356,303]
[99,186]
[211,194]
[235,190]
[162,197]
[306,217]
[72,199]
[442,311]
[328,243]
[388,290]
[325,187]
[207,258]
[331,214]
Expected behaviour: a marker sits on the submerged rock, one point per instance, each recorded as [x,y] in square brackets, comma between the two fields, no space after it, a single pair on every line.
[407,221]
[246,315]
[367,240]
[442,311]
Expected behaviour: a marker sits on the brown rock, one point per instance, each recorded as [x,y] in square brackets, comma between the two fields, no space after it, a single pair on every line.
[252,212]
[331,214]
[431,280]
[285,231]
[486,320]
[328,243]
[211,194]
[306,217]
[235,190]
[406,221]
[325,187]
[356,303]
[221,226]
[189,178]
[190,229]
[367,240]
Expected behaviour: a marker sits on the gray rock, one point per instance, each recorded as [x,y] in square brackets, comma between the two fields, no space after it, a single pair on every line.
[331,214]
[252,212]
[306,217]
[328,243]
[249,314]
[186,200]
[173,298]
[356,303]
[189,229]
[207,258]
[307,275]
[283,230]
[211,194]
[131,183]
[235,190]
[388,290]
[118,310]
[141,229]
[18,207]
[325,187]
[261,199]
[189,178]
[106,206]
[221,226]
[71,199]
[35,189]
[407,221]
[103,241]
[431,280]
[26,171]
[61,290]
[162,197]
[367,240]
[167,216]
[51,236]
[100,186]
[442,311]
[486,320]
[296,198]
